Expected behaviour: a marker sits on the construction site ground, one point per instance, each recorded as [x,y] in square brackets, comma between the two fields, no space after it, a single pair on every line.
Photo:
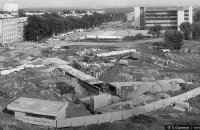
[40,83]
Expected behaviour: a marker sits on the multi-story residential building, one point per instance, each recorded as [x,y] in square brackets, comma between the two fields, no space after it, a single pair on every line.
[21,22]
[11,28]
[8,29]
[169,18]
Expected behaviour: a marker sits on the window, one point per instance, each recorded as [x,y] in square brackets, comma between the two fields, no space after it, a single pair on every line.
[40,116]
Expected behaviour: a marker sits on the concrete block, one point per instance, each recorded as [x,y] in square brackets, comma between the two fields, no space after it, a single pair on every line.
[180,109]
[116,116]
[104,118]
[89,120]
[184,105]
[63,123]
[77,121]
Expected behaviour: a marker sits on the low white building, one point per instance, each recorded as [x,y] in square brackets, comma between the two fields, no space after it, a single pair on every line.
[39,112]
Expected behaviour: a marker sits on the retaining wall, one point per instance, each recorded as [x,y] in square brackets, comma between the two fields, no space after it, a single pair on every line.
[121,115]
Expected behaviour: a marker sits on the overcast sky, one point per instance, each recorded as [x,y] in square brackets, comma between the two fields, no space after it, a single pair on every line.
[99,3]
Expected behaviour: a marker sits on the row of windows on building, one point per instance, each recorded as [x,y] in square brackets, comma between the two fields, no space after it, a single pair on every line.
[8,40]
[10,25]
[169,24]
[40,116]
[155,16]
[9,20]
[161,21]
[9,35]
[8,30]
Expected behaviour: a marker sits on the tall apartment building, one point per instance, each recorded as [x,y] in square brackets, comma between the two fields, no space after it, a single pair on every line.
[8,29]
[169,18]
[11,29]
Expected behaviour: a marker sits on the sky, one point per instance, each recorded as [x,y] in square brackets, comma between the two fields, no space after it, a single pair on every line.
[99,3]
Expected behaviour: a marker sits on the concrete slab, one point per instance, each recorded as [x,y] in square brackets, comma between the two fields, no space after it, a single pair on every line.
[36,106]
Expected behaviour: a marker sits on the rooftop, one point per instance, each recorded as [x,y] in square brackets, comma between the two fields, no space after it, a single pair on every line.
[36,106]
[4,16]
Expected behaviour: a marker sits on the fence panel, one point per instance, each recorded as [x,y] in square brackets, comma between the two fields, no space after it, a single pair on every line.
[175,99]
[127,114]
[63,123]
[167,101]
[158,104]
[190,94]
[183,97]
[89,120]
[104,118]
[196,91]
[138,110]
[149,107]
[78,121]
[116,116]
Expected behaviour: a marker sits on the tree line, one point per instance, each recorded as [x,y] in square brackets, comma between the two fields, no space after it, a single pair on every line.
[48,24]
[174,38]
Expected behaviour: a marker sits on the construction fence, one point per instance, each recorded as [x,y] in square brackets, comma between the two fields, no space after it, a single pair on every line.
[121,115]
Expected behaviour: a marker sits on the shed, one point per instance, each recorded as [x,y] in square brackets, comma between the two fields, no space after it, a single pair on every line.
[39,112]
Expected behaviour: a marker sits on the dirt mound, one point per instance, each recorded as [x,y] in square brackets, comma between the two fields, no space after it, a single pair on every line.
[119,73]
[143,119]
[111,73]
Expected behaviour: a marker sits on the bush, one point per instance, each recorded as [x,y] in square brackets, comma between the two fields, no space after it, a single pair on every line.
[173,39]
[64,88]
[129,38]
[155,30]
[139,36]
[196,31]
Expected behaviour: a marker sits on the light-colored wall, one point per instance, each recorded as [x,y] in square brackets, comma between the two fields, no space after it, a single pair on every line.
[180,18]
[120,115]
[101,100]
[137,17]
[1,33]
[191,15]
[34,120]
[9,30]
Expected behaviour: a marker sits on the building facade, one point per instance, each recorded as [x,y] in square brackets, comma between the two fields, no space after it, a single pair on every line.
[8,29]
[168,18]
[21,22]
[38,112]
[11,29]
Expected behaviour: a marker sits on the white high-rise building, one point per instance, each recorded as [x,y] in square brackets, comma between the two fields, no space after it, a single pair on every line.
[137,17]
[168,18]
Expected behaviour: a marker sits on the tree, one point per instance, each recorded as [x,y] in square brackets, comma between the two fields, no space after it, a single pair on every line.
[66,11]
[197,16]
[139,36]
[186,28]
[80,11]
[173,39]
[64,88]
[21,13]
[196,31]
[155,30]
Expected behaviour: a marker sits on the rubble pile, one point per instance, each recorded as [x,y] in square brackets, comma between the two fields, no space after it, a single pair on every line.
[167,63]
[87,52]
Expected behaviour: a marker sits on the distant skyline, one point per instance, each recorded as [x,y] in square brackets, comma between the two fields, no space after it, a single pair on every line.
[99,3]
